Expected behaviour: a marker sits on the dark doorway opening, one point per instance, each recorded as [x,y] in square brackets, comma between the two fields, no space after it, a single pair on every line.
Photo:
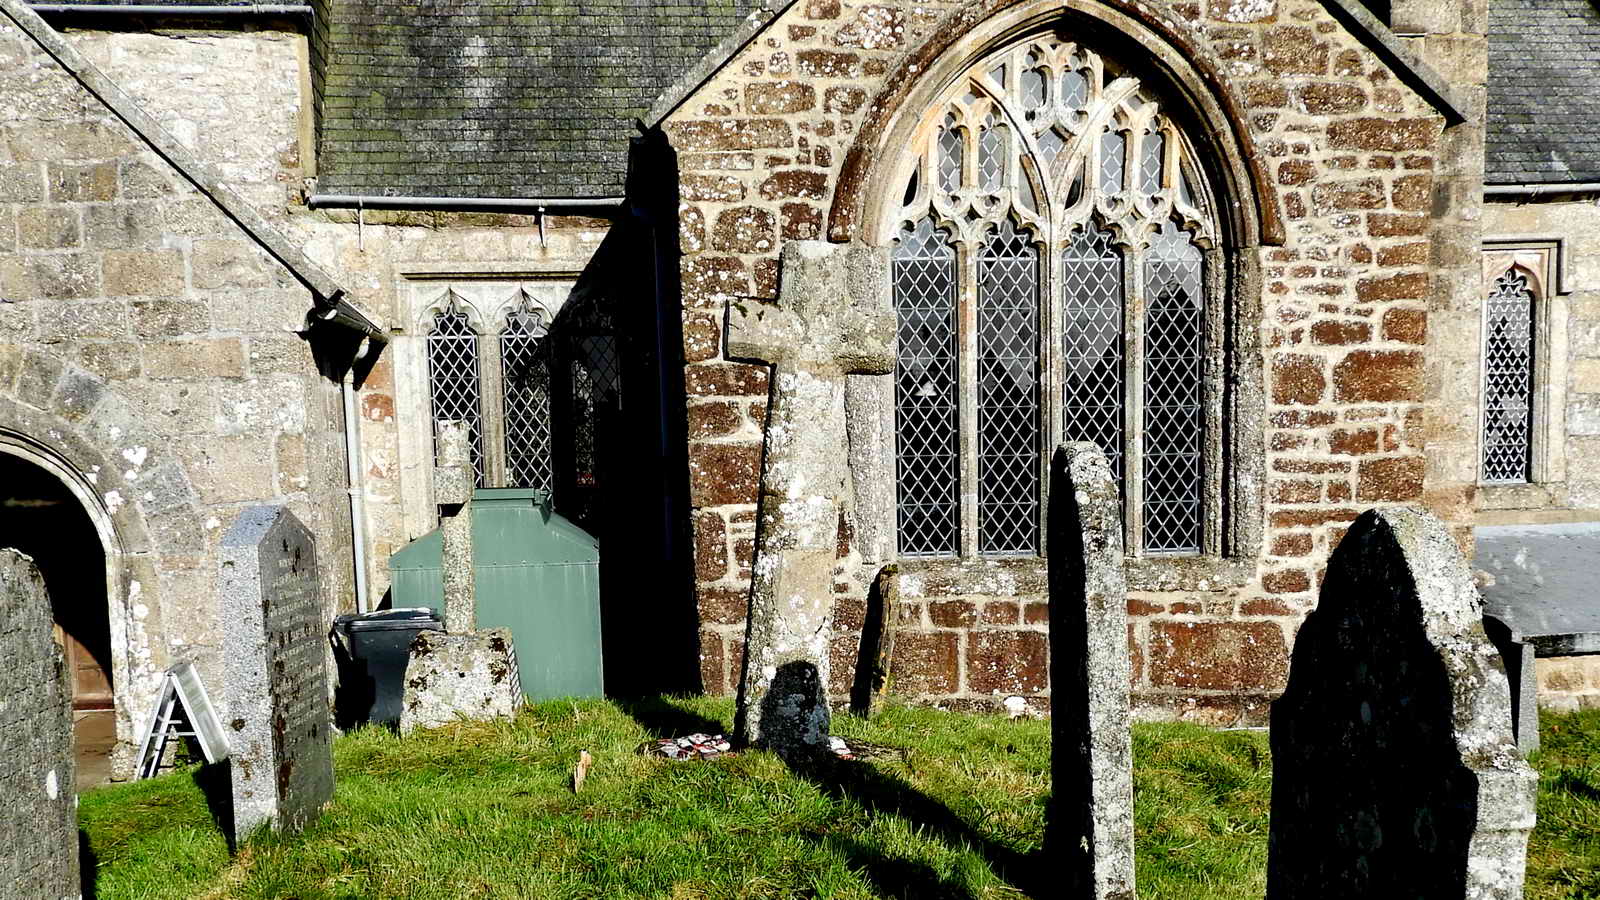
[40,517]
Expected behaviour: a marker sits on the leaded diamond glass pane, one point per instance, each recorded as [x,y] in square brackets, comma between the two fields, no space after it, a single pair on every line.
[1033,85]
[991,155]
[950,146]
[1113,146]
[525,388]
[1091,343]
[1074,90]
[1008,398]
[453,380]
[1150,163]
[1508,380]
[1174,421]
[927,465]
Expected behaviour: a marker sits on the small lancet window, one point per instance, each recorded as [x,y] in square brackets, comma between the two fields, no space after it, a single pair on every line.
[454,380]
[1508,385]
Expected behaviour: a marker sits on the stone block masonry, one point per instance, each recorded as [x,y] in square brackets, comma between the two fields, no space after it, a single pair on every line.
[39,819]
[1349,158]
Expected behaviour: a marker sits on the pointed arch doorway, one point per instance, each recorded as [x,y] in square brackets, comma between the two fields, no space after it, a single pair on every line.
[44,517]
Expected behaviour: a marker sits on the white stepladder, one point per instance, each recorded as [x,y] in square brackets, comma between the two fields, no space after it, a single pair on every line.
[182,701]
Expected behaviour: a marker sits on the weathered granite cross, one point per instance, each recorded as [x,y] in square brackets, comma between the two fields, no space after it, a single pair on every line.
[834,317]
[453,481]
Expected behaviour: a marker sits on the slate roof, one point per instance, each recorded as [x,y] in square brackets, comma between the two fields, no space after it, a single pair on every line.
[1544,580]
[1544,92]
[500,98]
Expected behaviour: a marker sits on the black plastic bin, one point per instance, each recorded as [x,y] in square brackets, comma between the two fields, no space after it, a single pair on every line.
[372,662]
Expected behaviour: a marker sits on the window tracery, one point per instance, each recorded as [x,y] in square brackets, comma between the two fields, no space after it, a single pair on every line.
[1051,284]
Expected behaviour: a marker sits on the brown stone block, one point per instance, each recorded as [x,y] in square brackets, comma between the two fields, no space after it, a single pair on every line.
[1302,418]
[952,613]
[1000,612]
[723,606]
[776,98]
[1378,376]
[1294,206]
[1292,50]
[1297,378]
[71,182]
[822,9]
[925,662]
[712,679]
[1139,606]
[1353,442]
[48,227]
[143,273]
[1234,11]
[1265,606]
[725,380]
[1036,613]
[716,419]
[1284,441]
[766,278]
[204,358]
[720,474]
[1007,662]
[1414,254]
[1310,466]
[802,183]
[1394,478]
[1393,225]
[1328,98]
[874,28]
[1266,95]
[842,100]
[1413,192]
[1310,518]
[1135,657]
[1296,491]
[744,229]
[1295,544]
[702,337]
[1367,193]
[1286,581]
[800,221]
[1386,134]
[1296,171]
[708,279]
[713,188]
[1338,334]
[1407,325]
[1409,286]
[710,546]
[1218,656]
[730,134]
[828,64]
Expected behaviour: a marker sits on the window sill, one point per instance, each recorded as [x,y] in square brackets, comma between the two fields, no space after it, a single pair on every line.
[1531,495]
[1006,577]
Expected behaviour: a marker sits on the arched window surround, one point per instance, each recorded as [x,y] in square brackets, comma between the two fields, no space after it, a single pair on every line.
[1538,262]
[1230,248]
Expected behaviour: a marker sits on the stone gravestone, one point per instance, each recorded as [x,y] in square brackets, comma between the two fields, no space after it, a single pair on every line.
[453,481]
[833,318]
[1091,748]
[1394,770]
[275,686]
[452,676]
[39,817]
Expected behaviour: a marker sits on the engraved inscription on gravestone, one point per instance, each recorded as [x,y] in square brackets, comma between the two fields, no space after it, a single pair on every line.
[38,818]
[277,717]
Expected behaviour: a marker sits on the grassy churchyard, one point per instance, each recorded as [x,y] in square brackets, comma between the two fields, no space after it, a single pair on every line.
[488,810]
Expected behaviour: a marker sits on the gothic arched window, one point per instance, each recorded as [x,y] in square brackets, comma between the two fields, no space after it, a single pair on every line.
[1508,379]
[1055,279]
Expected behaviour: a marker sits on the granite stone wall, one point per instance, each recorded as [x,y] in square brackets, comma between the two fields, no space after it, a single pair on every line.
[1367,314]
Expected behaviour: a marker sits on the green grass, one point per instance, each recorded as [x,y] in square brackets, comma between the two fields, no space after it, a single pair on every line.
[487,811]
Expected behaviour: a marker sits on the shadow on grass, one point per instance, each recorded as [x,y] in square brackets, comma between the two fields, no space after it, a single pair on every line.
[88,867]
[215,781]
[898,879]
[663,718]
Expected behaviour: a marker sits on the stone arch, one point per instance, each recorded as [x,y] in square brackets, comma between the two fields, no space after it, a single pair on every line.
[83,433]
[1179,57]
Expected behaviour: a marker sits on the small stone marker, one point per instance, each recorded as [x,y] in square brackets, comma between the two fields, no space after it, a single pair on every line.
[875,658]
[453,481]
[451,676]
[1091,747]
[1394,770]
[39,816]
[833,318]
[275,691]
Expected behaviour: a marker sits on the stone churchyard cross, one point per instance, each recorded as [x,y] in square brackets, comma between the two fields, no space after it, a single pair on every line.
[453,481]
[1090,829]
[833,318]
[1394,770]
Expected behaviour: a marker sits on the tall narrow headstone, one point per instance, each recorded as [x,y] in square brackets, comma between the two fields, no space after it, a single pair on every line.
[275,691]
[875,656]
[1394,769]
[1090,828]
[453,481]
[833,317]
[38,817]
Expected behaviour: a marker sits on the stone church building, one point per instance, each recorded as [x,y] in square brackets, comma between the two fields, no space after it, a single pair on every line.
[251,253]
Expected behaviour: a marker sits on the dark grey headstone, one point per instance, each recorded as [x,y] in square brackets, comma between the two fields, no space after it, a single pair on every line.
[38,817]
[1090,830]
[277,715]
[1394,770]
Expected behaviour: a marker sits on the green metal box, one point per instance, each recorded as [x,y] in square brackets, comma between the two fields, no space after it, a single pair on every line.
[537,574]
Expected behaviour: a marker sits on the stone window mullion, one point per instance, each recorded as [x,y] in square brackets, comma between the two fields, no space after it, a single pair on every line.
[967,381]
[1133,401]
[492,397]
